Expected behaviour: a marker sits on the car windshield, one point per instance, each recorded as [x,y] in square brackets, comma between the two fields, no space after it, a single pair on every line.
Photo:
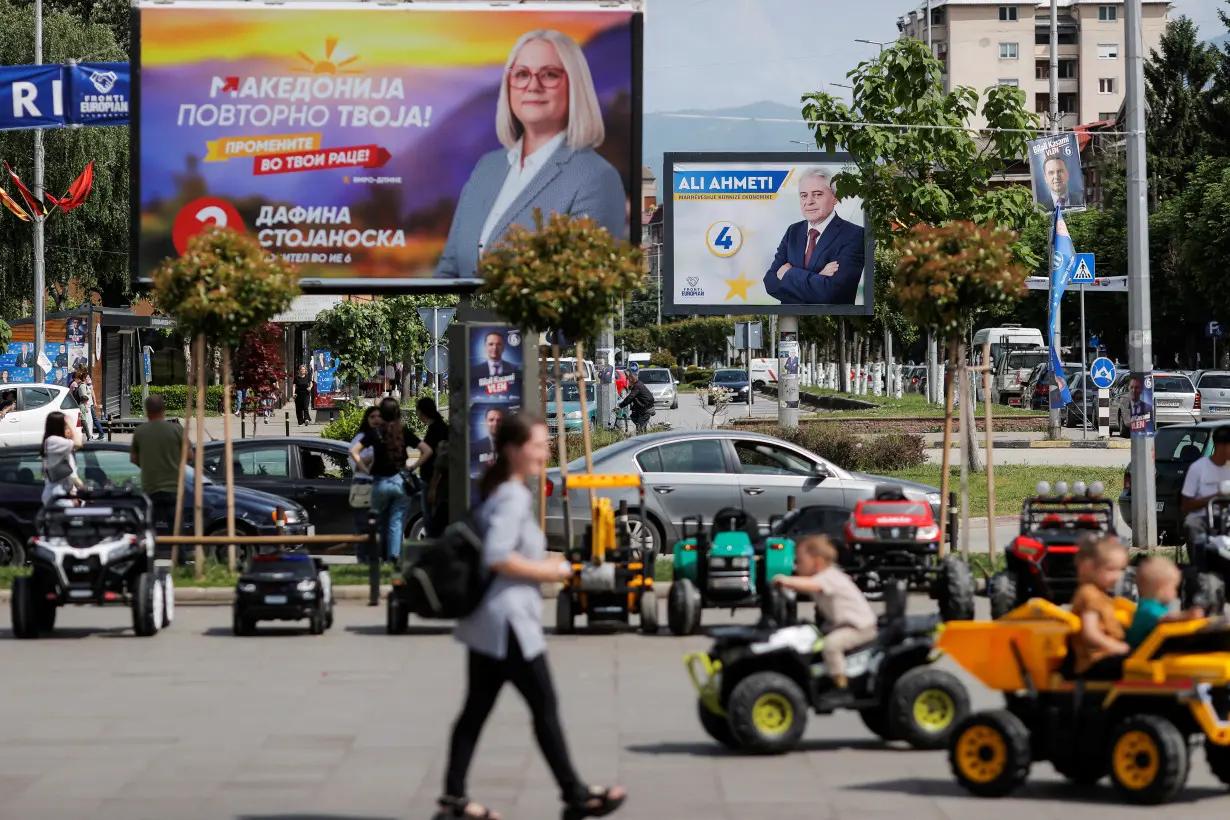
[1172,384]
[729,376]
[1181,444]
[1215,381]
[571,391]
[1023,360]
[654,376]
[298,566]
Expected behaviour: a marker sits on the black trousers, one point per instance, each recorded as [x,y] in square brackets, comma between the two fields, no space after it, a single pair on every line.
[302,408]
[532,678]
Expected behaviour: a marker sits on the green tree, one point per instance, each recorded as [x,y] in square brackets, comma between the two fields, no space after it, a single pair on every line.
[355,331]
[923,166]
[89,247]
[1177,78]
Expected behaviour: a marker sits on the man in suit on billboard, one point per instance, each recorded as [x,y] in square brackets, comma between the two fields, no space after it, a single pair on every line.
[820,259]
[493,364]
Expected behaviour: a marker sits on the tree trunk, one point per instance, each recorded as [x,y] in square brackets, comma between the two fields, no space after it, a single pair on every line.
[562,442]
[843,365]
[228,454]
[945,460]
[586,440]
[198,475]
[542,477]
[178,526]
[969,436]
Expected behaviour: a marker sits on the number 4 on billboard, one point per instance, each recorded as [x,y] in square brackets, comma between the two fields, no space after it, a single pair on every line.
[723,239]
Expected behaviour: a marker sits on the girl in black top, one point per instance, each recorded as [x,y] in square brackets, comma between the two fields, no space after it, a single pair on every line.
[389,501]
[437,433]
[303,395]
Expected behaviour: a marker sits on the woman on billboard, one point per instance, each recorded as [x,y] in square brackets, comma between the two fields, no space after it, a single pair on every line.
[549,120]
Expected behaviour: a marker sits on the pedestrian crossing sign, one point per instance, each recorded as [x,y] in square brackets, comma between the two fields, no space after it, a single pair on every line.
[1083,275]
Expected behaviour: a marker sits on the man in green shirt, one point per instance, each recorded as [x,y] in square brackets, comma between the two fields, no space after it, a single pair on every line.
[155,449]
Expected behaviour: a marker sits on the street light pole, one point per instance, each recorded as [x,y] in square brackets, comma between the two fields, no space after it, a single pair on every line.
[40,272]
[1140,310]
[877,42]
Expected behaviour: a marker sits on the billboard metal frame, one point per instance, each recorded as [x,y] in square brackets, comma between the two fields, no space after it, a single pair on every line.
[669,306]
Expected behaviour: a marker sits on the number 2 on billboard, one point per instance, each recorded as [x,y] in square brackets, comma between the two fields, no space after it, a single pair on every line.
[200,214]
[724,239]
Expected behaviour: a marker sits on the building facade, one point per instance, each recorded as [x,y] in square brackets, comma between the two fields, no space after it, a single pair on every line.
[987,42]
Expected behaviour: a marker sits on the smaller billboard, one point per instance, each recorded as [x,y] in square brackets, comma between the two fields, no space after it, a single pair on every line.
[1055,167]
[764,233]
[496,387]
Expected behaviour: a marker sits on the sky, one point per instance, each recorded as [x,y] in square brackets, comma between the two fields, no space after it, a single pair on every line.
[711,54]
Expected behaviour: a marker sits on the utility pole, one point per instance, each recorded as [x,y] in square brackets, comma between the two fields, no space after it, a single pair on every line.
[788,383]
[1053,427]
[1140,311]
[40,273]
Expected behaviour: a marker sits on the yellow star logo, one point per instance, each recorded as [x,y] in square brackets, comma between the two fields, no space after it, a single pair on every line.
[738,287]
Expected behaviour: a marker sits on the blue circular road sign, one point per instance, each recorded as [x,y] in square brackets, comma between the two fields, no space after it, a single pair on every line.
[1102,371]
[634,367]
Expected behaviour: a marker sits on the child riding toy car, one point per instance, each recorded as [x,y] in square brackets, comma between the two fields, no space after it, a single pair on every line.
[756,684]
[283,586]
[891,537]
[729,566]
[100,552]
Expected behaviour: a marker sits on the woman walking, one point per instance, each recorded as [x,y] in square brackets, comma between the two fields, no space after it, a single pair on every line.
[504,635]
[388,442]
[60,442]
[303,396]
[83,392]
[435,436]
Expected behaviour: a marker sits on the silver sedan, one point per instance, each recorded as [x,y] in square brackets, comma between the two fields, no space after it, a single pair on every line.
[700,472]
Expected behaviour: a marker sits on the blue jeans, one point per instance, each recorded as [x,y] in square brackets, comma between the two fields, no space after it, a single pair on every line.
[390,504]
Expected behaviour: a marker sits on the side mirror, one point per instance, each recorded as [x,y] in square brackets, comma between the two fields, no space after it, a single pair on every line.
[820,470]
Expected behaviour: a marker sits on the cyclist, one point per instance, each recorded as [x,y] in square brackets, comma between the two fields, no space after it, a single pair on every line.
[640,401]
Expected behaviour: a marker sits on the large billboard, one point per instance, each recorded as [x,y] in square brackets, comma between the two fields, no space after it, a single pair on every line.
[764,233]
[380,147]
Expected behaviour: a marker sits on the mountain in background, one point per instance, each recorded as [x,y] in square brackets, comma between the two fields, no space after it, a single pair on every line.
[662,133]
[1218,42]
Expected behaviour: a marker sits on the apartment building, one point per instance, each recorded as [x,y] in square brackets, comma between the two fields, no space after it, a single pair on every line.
[984,42]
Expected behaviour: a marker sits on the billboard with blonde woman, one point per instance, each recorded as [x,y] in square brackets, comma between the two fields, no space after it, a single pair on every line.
[378,146]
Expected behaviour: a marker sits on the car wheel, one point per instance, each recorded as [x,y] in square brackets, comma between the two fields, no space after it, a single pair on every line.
[316,624]
[417,531]
[221,553]
[146,605]
[716,726]
[768,713]
[989,754]
[1149,760]
[675,404]
[241,624]
[12,549]
[925,705]
[22,609]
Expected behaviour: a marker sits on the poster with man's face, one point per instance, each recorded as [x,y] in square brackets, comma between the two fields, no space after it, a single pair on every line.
[1055,166]
[496,380]
[1140,405]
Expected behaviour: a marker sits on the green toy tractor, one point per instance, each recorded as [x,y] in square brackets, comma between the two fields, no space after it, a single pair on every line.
[728,567]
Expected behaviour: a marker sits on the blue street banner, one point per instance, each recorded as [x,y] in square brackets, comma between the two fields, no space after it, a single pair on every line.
[98,93]
[1063,262]
[55,96]
[31,96]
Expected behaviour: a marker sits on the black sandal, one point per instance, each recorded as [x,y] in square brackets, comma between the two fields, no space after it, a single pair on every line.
[456,807]
[595,804]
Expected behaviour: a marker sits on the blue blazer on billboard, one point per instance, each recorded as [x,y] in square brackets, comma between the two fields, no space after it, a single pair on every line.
[842,242]
[572,182]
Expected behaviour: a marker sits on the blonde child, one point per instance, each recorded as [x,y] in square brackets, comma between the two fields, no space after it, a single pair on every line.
[839,600]
[1099,646]
[1158,580]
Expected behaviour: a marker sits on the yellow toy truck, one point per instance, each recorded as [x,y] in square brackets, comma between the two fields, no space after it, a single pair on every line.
[1137,729]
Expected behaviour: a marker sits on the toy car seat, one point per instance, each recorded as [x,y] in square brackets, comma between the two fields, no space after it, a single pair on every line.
[1190,453]
[889,492]
[733,519]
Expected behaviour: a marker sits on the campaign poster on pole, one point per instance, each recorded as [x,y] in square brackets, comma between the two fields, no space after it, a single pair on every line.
[17,363]
[496,387]
[1140,405]
[1055,167]
[324,375]
[788,373]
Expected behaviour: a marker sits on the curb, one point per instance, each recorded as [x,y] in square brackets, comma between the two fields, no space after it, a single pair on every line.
[1066,444]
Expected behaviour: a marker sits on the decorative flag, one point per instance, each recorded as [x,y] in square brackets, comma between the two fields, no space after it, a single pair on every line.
[37,209]
[13,206]
[1063,262]
[78,191]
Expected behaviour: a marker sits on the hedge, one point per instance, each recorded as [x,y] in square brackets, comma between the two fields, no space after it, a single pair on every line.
[176,395]
[873,454]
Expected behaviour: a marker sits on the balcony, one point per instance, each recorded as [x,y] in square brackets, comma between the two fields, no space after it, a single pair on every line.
[1071,52]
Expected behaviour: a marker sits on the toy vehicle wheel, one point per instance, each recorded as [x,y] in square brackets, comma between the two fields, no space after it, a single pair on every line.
[1203,589]
[146,605]
[1219,761]
[1148,759]
[23,608]
[329,615]
[168,596]
[683,607]
[876,720]
[565,614]
[785,607]
[316,624]
[1003,593]
[716,726]
[955,590]
[924,706]
[12,549]
[989,754]
[649,612]
[767,713]
[241,624]
[397,619]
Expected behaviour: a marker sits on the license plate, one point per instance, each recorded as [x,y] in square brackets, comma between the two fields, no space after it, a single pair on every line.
[728,583]
[1219,409]
[311,529]
[1161,505]
[80,593]
[1167,404]
[275,600]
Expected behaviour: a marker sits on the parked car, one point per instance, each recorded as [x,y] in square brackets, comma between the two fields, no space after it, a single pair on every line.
[661,382]
[574,419]
[735,381]
[1038,386]
[312,472]
[1214,389]
[104,463]
[1012,372]
[699,472]
[1175,401]
[30,405]
[1084,402]
[1175,448]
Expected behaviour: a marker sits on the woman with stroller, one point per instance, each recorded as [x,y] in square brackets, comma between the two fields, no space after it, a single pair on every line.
[504,635]
[61,440]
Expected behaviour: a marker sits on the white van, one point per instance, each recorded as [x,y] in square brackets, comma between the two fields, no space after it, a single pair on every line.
[764,371]
[1006,338]
[568,369]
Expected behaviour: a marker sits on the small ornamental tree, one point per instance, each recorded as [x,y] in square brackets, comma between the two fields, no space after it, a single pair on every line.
[259,365]
[944,275]
[354,331]
[565,275]
[223,287]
